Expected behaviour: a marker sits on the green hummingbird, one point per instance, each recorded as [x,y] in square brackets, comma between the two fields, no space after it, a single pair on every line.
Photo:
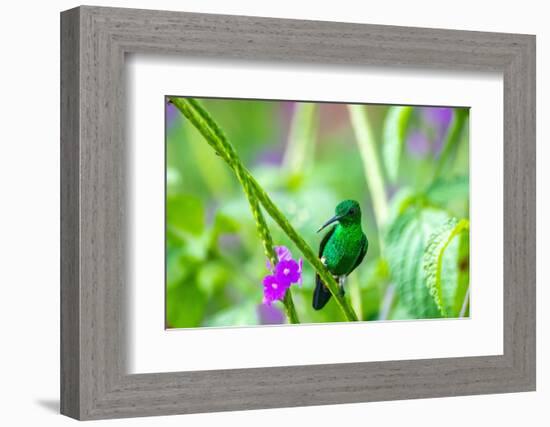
[342,249]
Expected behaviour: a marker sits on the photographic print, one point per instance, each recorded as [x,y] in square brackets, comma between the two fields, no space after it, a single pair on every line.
[287,212]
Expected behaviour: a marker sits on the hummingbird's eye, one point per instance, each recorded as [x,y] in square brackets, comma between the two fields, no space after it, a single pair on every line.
[352,211]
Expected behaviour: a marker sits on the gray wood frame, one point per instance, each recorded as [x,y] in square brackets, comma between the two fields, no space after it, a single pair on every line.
[94,41]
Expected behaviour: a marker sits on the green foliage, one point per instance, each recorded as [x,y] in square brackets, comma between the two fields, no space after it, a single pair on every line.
[428,250]
[185,213]
[463,290]
[452,139]
[215,137]
[300,162]
[196,272]
[407,240]
[364,136]
[234,316]
[395,132]
[441,267]
[185,305]
[256,195]
[299,152]
[445,191]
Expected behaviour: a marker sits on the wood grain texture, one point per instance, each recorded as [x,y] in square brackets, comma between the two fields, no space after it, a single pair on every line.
[94,270]
[70,221]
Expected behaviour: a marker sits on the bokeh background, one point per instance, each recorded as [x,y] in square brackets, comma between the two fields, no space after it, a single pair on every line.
[309,157]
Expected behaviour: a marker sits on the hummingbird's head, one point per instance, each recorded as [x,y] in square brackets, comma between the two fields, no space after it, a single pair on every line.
[347,212]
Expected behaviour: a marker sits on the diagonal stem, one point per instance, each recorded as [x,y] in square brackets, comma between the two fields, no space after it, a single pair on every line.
[371,164]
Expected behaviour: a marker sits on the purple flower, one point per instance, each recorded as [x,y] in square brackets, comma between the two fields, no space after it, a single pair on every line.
[274,288]
[286,272]
[438,116]
[283,254]
[439,119]
[429,137]
[418,143]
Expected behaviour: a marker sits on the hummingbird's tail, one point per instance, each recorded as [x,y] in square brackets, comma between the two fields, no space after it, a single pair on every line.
[321,295]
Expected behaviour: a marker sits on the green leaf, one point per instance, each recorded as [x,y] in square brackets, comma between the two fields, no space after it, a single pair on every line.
[225,224]
[462,303]
[241,315]
[441,266]
[399,312]
[185,213]
[185,305]
[395,131]
[211,277]
[443,191]
[407,238]
[400,202]
[176,270]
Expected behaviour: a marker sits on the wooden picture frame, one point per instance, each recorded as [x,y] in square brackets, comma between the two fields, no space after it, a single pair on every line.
[94,382]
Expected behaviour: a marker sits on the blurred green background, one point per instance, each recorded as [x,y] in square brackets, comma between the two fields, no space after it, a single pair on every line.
[308,157]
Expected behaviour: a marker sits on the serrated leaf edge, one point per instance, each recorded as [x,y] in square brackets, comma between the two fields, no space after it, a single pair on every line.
[439,241]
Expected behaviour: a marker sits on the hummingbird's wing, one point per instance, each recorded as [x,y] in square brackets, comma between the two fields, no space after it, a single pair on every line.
[326,237]
[321,294]
[364,248]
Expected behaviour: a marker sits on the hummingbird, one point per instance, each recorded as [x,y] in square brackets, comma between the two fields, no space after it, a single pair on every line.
[341,250]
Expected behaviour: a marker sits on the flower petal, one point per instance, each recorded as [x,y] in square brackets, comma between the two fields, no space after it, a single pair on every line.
[274,288]
[288,271]
[283,253]
[285,273]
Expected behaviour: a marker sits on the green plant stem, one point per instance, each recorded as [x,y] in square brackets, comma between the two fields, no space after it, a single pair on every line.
[371,162]
[301,138]
[355,295]
[198,116]
[290,310]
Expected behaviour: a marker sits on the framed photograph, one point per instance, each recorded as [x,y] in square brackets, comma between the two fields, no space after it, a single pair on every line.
[261,213]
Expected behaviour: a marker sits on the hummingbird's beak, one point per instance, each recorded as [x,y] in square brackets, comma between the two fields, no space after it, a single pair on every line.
[330,221]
